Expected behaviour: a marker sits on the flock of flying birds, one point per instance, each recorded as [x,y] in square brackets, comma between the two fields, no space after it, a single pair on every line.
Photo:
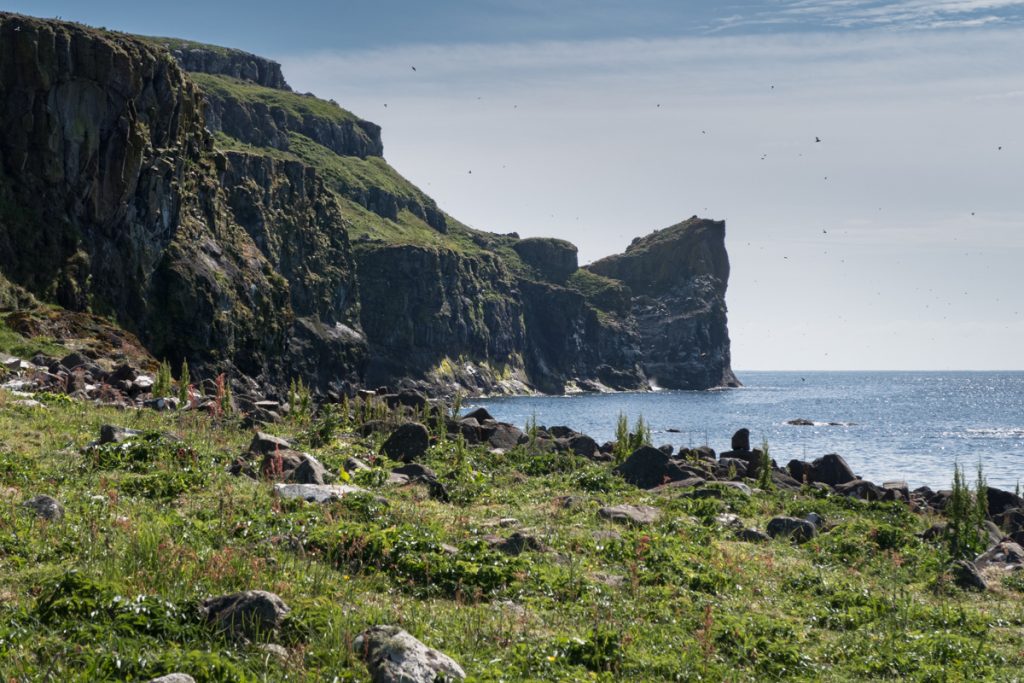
[817,140]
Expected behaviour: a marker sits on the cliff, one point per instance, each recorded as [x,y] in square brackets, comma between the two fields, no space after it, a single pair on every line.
[185,192]
[678,277]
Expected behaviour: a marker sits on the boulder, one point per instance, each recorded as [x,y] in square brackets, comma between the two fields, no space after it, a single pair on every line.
[173,678]
[861,489]
[815,519]
[480,415]
[45,507]
[412,399]
[648,467]
[690,482]
[517,543]
[407,443]
[506,436]
[899,489]
[636,515]
[741,440]
[783,481]
[798,530]
[752,536]
[392,655]
[581,444]
[725,465]
[250,614]
[1000,501]
[831,469]
[315,493]
[1005,555]
[264,444]
[113,434]
[966,575]
[293,466]
[1011,520]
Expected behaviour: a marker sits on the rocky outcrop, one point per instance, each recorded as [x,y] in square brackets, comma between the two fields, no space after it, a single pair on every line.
[678,278]
[246,114]
[426,308]
[211,59]
[552,259]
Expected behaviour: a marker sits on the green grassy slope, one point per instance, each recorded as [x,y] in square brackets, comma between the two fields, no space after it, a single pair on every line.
[109,593]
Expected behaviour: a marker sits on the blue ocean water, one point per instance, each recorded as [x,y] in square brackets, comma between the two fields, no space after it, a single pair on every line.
[892,425]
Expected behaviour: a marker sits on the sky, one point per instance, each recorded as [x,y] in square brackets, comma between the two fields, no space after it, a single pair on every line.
[866,155]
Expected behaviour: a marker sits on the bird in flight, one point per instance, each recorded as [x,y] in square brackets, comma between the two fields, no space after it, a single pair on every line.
[817,139]
[413,68]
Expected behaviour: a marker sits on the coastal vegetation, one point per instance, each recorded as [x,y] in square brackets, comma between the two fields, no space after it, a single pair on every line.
[512,572]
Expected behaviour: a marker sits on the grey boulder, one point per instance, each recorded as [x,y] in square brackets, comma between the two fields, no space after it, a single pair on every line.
[45,507]
[798,530]
[392,655]
[250,614]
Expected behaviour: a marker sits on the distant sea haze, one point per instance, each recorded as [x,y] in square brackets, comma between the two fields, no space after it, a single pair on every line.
[911,426]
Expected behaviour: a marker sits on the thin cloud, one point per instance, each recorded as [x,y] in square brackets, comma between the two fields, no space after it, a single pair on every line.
[900,14]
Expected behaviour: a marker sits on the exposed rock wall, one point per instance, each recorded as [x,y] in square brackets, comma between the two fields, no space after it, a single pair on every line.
[425,308]
[210,59]
[112,199]
[265,125]
[678,277]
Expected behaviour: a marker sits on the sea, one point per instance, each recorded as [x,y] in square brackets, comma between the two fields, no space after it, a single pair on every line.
[909,426]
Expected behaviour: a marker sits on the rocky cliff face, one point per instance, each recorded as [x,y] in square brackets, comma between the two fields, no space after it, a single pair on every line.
[211,59]
[678,278]
[230,222]
[113,199]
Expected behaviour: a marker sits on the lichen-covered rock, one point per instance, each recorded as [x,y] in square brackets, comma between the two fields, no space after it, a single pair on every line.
[173,678]
[315,493]
[392,655]
[797,530]
[636,515]
[251,614]
[45,507]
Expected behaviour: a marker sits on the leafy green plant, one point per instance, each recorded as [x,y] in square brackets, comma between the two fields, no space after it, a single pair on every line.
[184,384]
[966,512]
[162,382]
[628,440]
[764,467]
[300,400]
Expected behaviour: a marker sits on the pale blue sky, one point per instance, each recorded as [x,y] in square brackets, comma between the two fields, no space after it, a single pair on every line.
[597,121]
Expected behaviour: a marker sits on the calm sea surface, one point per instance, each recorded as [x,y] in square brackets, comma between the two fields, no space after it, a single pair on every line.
[894,425]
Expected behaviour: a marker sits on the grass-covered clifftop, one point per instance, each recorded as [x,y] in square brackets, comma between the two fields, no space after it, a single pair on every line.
[156,524]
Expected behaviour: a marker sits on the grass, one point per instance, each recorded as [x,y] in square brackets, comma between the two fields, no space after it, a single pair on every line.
[182,44]
[16,345]
[603,293]
[153,527]
[300,106]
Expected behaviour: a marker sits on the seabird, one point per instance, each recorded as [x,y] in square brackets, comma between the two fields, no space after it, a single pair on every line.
[817,139]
